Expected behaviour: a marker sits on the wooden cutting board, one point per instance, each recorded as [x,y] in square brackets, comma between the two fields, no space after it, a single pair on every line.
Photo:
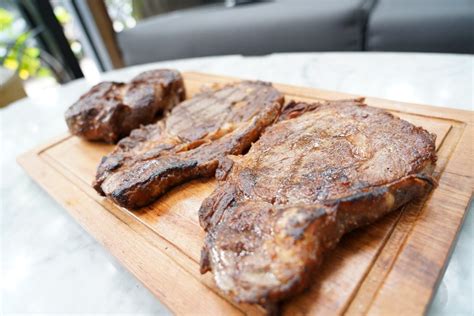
[390,267]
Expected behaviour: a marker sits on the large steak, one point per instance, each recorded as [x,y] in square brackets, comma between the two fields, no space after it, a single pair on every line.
[188,143]
[322,170]
[110,110]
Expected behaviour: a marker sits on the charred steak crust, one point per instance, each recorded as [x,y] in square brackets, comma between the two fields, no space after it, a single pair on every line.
[188,143]
[322,170]
[110,110]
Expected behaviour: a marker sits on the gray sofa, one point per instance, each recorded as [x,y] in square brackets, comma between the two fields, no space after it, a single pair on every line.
[303,25]
[422,25]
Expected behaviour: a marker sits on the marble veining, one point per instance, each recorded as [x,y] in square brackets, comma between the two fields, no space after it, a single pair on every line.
[51,265]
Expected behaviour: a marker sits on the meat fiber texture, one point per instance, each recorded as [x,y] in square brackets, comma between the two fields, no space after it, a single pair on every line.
[188,143]
[321,171]
[109,111]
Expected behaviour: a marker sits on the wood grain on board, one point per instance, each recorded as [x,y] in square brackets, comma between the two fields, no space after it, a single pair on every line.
[390,267]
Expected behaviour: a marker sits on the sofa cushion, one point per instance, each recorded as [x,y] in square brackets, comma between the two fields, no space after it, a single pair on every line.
[253,29]
[422,26]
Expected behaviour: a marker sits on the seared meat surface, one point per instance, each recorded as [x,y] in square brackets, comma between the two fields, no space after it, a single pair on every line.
[110,110]
[188,143]
[322,170]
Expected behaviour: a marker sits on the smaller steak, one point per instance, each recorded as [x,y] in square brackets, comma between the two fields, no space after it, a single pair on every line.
[111,110]
[188,143]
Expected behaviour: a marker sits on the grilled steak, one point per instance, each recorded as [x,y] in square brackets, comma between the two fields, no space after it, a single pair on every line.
[188,143]
[322,170]
[110,110]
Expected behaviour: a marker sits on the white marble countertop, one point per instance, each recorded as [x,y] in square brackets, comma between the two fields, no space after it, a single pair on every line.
[51,265]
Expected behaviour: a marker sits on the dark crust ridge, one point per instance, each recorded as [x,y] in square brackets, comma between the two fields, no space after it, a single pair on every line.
[188,143]
[109,111]
[321,171]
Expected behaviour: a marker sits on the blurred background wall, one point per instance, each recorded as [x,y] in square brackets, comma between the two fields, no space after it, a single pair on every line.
[47,42]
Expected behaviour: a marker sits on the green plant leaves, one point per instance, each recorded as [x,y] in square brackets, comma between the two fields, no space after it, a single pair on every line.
[6,20]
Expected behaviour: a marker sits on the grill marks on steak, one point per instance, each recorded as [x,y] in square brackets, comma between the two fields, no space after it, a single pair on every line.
[188,143]
[322,170]
[110,110]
